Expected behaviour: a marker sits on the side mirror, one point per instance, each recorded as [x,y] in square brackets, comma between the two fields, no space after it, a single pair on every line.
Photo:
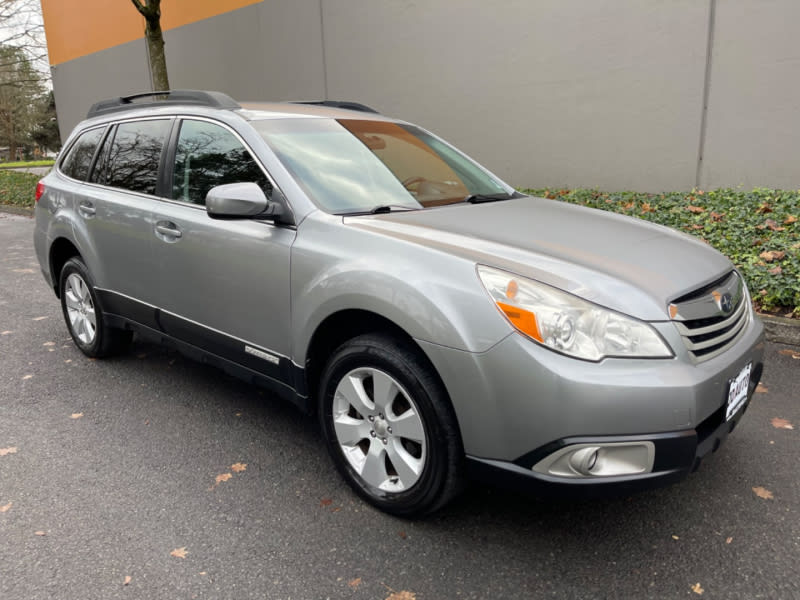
[240,201]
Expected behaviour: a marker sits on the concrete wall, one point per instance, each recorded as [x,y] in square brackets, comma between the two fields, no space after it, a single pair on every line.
[608,93]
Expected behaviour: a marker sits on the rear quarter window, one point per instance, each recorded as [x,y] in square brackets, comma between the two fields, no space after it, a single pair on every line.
[78,161]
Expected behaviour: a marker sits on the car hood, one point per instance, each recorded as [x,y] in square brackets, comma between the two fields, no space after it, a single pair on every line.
[618,262]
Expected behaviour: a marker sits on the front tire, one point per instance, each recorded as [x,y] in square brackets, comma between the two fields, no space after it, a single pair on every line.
[389,426]
[84,315]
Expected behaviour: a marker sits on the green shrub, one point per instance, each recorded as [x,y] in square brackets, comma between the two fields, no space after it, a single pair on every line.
[758,230]
[18,189]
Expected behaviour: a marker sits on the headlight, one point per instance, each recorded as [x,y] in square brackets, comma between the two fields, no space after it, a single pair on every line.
[568,324]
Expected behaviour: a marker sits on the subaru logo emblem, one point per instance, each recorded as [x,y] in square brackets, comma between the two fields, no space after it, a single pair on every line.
[726,303]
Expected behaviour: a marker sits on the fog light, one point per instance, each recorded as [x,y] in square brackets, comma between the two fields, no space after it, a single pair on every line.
[599,460]
[584,460]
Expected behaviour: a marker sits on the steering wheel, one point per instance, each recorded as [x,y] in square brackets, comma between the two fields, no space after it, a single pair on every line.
[410,182]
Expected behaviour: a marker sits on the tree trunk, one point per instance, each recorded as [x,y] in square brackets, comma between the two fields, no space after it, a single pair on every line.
[151,11]
[158,60]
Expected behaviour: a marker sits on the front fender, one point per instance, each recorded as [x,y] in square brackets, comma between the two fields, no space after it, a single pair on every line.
[433,296]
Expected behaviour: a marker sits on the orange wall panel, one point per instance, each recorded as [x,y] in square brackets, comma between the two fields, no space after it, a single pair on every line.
[75,28]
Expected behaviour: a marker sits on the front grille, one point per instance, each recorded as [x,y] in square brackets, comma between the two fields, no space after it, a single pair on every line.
[706,329]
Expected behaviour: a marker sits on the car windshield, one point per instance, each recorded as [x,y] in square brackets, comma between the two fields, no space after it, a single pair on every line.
[357,166]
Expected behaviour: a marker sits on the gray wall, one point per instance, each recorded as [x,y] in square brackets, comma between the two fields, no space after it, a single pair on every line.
[615,94]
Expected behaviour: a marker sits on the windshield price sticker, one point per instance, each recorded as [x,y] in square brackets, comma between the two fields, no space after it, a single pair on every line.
[737,392]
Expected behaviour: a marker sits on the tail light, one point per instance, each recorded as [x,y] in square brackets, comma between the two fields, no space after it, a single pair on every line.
[39,190]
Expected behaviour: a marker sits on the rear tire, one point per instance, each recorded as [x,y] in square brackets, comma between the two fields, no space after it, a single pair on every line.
[84,314]
[389,426]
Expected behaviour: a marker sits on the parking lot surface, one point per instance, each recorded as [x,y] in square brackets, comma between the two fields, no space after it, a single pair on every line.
[151,476]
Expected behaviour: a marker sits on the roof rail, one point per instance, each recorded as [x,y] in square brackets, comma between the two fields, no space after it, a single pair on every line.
[194,97]
[340,104]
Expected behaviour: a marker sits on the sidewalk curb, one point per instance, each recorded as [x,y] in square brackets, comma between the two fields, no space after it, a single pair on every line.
[16,210]
[781,330]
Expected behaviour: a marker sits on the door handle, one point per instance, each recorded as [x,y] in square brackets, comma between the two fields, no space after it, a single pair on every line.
[168,229]
[87,209]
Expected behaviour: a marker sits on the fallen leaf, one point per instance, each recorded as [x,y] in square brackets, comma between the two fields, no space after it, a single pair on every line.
[776,270]
[779,423]
[325,502]
[629,206]
[763,493]
[770,255]
[647,208]
[127,580]
[761,389]
[76,415]
[223,477]
[11,450]
[695,209]
[764,208]
[179,552]
[787,352]
[675,537]
[6,332]
[696,226]
[27,377]
[697,589]
[69,360]
[715,216]
[5,507]
[402,534]
[38,318]
[762,292]
[142,355]
[49,344]
[202,573]
[354,583]
[404,595]
[772,225]
[789,220]
[729,540]
[238,467]
[22,270]
[39,533]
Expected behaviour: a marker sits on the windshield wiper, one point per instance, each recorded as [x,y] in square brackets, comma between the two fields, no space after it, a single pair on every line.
[481,198]
[387,208]
[381,209]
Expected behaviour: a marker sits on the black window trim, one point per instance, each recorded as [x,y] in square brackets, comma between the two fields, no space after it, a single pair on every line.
[114,125]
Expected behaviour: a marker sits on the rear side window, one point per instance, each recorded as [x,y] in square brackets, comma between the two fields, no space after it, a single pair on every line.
[134,155]
[78,161]
[208,155]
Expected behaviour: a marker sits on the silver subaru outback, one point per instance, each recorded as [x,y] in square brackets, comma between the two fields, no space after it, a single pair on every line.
[441,325]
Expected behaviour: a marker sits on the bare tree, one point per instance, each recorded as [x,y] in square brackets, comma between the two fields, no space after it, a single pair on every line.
[21,27]
[151,11]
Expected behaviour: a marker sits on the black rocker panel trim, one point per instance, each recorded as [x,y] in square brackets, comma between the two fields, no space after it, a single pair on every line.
[234,356]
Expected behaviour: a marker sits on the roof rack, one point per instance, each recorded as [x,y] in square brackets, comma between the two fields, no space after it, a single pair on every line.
[340,104]
[170,97]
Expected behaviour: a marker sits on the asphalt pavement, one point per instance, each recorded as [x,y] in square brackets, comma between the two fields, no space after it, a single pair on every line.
[151,476]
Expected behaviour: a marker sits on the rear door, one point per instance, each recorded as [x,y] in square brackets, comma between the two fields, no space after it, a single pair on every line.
[223,284]
[115,210]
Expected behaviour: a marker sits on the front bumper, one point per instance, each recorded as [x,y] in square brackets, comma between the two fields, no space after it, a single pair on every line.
[676,455]
[519,402]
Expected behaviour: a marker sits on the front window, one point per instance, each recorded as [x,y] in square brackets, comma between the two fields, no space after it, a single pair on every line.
[352,165]
[209,155]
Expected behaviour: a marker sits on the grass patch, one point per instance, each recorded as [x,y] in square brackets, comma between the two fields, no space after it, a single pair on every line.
[758,230]
[18,189]
[29,163]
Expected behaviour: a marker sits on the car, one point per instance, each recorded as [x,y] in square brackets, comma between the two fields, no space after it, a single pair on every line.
[442,326]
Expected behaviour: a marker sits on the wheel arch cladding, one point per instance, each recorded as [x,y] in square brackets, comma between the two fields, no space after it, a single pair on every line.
[61,251]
